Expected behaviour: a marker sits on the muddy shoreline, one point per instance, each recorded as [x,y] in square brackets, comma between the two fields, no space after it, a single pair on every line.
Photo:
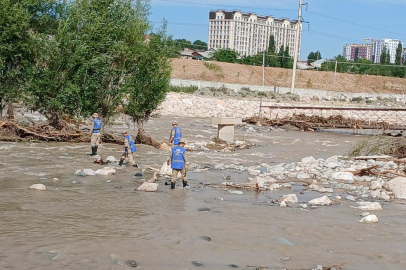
[99,225]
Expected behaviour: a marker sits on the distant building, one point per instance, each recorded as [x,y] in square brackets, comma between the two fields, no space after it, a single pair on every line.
[248,33]
[196,54]
[390,44]
[353,52]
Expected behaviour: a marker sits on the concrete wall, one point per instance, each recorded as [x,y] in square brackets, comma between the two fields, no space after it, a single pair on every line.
[282,90]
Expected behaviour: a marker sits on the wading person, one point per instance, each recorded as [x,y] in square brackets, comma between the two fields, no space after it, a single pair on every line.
[179,163]
[176,134]
[130,149]
[96,135]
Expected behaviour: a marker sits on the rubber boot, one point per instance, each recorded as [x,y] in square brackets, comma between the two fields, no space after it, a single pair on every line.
[121,162]
[135,165]
[93,151]
[173,185]
[184,183]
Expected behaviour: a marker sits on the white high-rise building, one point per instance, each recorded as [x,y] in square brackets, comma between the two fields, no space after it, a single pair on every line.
[248,33]
[390,44]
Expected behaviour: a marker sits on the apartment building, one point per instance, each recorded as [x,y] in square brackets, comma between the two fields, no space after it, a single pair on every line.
[390,44]
[353,52]
[248,33]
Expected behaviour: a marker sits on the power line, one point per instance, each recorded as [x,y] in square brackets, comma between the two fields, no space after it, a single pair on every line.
[354,23]
[330,35]
[224,6]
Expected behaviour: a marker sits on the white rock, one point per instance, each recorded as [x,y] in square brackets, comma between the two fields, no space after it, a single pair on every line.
[148,187]
[89,172]
[275,186]
[376,185]
[238,192]
[321,201]
[344,176]
[314,187]
[166,169]
[55,179]
[398,186]
[282,204]
[385,197]
[350,198]
[304,206]
[364,214]
[303,176]
[309,162]
[368,206]
[39,187]
[254,172]
[338,197]
[111,159]
[290,198]
[105,171]
[369,219]
[376,194]
[262,181]
[332,165]
[326,190]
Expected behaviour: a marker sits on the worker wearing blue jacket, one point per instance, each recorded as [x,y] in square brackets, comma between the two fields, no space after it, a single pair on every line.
[179,163]
[130,149]
[176,134]
[96,134]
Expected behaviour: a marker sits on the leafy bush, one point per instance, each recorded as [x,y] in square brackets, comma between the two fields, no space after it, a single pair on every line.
[183,89]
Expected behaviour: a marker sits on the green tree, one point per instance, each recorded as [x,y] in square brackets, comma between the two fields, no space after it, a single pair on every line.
[199,45]
[399,52]
[21,23]
[313,56]
[149,81]
[271,59]
[225,55]
[384,56]
[91,58]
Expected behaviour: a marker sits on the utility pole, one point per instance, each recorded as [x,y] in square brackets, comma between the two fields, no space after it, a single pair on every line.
[298,32]
[263,71]
[263,83]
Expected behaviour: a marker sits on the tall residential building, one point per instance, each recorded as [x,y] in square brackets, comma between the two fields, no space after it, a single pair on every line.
[390,44]
[353,52]
[248,33]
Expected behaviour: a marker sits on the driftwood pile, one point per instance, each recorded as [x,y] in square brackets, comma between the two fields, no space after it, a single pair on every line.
[310,123]
[13,131]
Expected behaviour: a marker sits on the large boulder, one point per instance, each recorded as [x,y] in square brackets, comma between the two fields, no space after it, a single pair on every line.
[89,172]
[368,206]
[343,176]
[165,169]
[398,187]
[262,181]
[105,171]
[148,187]
[369,219]
[376,185]
[290,198]
[39,187]
[321,201]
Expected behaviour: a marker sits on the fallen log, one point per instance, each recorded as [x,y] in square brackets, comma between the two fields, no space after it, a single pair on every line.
[365,171]
[143,138]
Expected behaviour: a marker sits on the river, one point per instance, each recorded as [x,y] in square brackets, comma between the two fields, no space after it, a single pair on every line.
[99,225]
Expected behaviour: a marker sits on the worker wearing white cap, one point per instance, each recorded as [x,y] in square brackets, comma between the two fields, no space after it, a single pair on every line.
[179,163]
[130,149]
[96,134]
[176,134]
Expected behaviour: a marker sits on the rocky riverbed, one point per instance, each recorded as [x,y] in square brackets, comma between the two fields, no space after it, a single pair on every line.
[103,221]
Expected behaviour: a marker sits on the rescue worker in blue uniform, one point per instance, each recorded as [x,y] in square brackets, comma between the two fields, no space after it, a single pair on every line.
[179,163]
[130,149]
[96,134]
[176,134]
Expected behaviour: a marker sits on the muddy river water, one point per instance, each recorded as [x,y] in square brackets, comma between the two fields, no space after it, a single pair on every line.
[97,225]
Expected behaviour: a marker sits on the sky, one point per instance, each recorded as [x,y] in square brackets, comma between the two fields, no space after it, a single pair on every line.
[332,23]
